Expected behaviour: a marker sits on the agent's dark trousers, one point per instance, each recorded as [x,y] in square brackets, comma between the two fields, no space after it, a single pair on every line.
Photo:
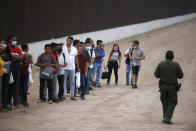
[169,100]
[112,65]
[61,85]
[42,89]
[23,82]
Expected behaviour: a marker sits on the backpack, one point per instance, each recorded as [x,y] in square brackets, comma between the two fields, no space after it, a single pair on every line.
[42,57]
[127,60]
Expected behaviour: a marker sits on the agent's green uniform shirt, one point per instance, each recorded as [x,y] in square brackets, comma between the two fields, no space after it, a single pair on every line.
[168,72]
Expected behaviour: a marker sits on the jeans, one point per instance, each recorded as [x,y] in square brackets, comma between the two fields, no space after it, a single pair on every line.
[128,70]
[70,74]
[43,91]
[112,65]
[24,87]
[16,86]
[67,86]
[54,82]
[5,86]
[89,77]
[97,71]
[61,85]
[83,83]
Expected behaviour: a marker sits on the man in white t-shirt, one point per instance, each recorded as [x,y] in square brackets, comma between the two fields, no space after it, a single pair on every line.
[90,51]
[71,60]
[128,64]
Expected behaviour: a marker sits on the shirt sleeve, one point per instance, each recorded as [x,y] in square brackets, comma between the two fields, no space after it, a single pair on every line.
[38,59]
[180,73]
[19,52]
[102,53]
[157,72]
[142,52]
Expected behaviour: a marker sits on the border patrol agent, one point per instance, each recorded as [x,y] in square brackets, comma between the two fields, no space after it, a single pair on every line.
[168,72]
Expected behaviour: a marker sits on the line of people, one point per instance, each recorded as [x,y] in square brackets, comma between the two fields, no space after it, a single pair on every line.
[59,63]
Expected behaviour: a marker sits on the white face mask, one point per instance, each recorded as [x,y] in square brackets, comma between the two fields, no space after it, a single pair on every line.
[116,49]
[88,47]
[3,45]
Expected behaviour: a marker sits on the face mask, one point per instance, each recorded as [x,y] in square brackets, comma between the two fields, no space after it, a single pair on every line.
[116,49]
[88,47]
[134,47]
[3,45]
[14,43]
[59,50]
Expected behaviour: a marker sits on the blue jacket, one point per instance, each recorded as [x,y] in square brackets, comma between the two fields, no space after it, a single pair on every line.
[101,53]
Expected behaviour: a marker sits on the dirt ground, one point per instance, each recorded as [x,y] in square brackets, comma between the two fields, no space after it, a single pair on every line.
[120,108]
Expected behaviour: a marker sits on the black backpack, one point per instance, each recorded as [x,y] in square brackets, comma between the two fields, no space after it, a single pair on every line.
[127,60]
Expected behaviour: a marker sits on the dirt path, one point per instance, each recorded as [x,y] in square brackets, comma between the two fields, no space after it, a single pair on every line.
[121,108]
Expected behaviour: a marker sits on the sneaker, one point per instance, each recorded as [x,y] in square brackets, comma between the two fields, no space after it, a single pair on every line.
[42,101]
[56,100]
[17,105]
[83,97]
[99,86]
[133,86]
[50,102]
[61,99]
[127,83]
[4,110]
[77,95]
[73,98]
[9,107]
[167,122]
[68,94]
[90,88]
[116,84]
[26,104]
[94,83]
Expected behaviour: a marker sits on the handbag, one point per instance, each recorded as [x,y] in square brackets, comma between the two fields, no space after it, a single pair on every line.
[105,75]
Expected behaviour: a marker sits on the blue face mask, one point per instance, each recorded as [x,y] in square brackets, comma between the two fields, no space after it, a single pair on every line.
[134,47]
[14,43]
[3,45]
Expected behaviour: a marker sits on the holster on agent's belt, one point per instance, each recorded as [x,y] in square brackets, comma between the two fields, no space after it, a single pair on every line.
[177,85]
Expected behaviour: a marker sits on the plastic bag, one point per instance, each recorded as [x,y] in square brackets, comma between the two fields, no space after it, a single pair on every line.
[11,79]
[47,72]
[30,82]
[78,83]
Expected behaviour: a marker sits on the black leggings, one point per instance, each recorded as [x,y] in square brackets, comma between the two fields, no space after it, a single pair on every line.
[112,65]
